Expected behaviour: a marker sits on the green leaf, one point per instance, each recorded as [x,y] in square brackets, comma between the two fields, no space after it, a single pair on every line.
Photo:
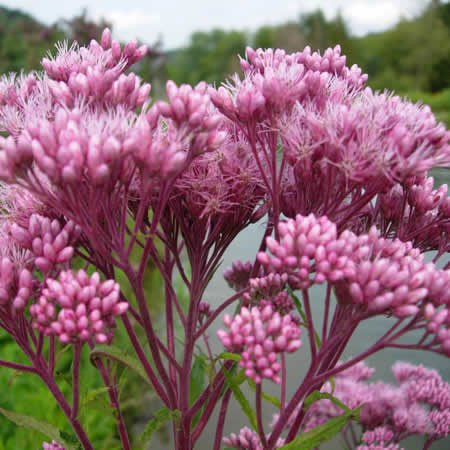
[197,384]
[317,395]
[322,433]
[240,397]
[92,395]
[240,377]
[197,380]
[49,430]
[68,437]
[116,354]
[267,398]
[161,417]
[227,355]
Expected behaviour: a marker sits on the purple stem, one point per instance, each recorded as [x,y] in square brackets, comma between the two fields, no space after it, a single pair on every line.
[283,381]
[144,361]
[76,380]
[16,366]
[51,355]
[221,419]
[113,396]
[325,316]
[169,319]
[258,407]
[62,402]
[310,324]
[152,338]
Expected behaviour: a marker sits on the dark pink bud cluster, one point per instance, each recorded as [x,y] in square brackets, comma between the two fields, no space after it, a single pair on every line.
[378,439]
[237,276]
[52,446]
[204,311]
[247,439]
[16,284]
[48,241]
[268,286]
[281,303]
[191,110]
[78,308]
[258,335]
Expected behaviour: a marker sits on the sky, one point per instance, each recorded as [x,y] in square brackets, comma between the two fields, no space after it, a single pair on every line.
[174,20]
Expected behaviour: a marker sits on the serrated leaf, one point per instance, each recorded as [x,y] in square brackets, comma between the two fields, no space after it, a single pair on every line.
[118,355]
[240,397]
[322,433]
[316,395]
[264,396]
[49,430]
[160,418]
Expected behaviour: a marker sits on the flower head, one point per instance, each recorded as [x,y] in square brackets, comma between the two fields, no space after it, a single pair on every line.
[258,335]
[78,308]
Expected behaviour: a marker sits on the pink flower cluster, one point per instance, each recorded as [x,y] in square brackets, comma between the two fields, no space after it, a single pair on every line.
[367,270]
[275,81]
[48,241]
[308,245]
[78,308]
[16,284]
[52,446]
[96,73]
[247,439]
[258,335]
[378,439]
[419,404]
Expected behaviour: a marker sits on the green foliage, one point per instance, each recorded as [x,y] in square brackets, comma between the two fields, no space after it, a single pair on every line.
[209,57]
[240,397]
[29,396]
[69,441]
[160,418]
[112,353]
[322,433]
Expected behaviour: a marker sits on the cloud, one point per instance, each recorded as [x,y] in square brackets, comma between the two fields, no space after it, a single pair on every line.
[364,15]
[127,20]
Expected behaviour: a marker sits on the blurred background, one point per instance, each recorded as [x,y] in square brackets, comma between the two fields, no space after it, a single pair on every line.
[403,45]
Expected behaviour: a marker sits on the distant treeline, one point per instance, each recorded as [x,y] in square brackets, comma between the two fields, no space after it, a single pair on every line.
[414,55]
